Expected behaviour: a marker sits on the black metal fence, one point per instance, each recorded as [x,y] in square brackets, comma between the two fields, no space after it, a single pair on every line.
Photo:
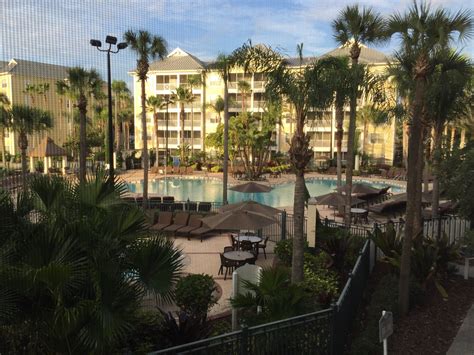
[306,334]
[284,228]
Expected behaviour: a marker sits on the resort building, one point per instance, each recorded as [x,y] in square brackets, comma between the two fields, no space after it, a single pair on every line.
[34,84]
[166,75]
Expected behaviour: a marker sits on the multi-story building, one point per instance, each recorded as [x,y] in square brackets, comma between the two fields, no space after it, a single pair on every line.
[16,76]
[168,74]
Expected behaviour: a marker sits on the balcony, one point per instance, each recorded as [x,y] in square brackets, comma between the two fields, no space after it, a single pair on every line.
[170,86]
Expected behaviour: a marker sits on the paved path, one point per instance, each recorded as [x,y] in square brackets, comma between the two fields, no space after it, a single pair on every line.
[463,344]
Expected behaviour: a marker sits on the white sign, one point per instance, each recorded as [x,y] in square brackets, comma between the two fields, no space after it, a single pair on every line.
[385,329]
[246,272]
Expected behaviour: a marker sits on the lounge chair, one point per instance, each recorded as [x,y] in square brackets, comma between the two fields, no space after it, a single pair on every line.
[177,206]
[168,199]
[204,207]
[189,170]
[129,199]
[191,206]
[179,221]
[154,201]
[201,232]
[193,223]
[164,220]
[182,170]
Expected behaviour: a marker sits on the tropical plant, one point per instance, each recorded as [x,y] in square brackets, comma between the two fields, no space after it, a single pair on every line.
[183,329]
[183,96]
[154,104]
[121,96]
[194,81]
[26,120]
[353,27]
[194,295]
[423,34]
[322,284]
[146,46]
[77,261]
[4,124]
[217,107]
[388,241]
[80,85]
[244,88]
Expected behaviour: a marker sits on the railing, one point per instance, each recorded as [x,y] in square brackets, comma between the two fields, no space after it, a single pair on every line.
[14,181]
[306,334]
[284,228]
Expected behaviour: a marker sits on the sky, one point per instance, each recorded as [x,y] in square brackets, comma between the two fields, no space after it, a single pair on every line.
[58,31]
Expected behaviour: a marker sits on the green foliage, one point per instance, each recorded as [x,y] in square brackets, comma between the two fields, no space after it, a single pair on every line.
[216,169]
[184,329]
[221,327]
[275,295]
[341,246]
[468,243]
[194,295]
[388,242]
[284,251]
[322,283]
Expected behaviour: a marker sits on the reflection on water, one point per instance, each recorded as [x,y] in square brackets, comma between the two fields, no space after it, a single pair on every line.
[211,190]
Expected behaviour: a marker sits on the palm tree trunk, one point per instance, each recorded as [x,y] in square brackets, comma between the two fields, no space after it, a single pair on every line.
[414,142]
[182,132]
[437,141]
[462,139]
[192,127]
[145,144]
[226,144]
[117,128]
[339,135]
[2,146]
[82,145]
[157,140]
[350,157]
[366,137]
[23,144]
[405,130]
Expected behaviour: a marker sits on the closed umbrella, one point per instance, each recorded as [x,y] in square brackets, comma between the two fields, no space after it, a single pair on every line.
[237,220]
[251,187]
[359,188]
[251,206]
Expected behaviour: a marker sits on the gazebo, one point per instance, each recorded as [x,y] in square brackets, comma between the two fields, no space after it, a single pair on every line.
[47,149]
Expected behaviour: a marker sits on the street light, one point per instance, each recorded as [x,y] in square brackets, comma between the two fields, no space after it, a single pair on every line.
[110,40]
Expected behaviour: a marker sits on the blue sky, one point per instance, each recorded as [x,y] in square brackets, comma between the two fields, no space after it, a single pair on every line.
[58,31]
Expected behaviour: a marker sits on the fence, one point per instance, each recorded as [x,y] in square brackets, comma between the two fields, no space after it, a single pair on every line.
[306,334]
[284,228]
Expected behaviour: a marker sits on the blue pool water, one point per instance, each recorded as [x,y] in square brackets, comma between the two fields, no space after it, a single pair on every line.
[211,190]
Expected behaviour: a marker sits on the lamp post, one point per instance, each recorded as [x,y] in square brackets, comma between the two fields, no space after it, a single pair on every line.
[110,40]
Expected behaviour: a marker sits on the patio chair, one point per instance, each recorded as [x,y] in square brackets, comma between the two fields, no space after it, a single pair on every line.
[227,264]
[204,207]
[154,201]
[228,248]
[193,223]
[246,245]
[250,261]
[200,232]
[191,206]
[235,242]
[263,246]
[164,220]
[168,198]
[177,206]
[129,199]
[165,206]
[139,200]
[179,221]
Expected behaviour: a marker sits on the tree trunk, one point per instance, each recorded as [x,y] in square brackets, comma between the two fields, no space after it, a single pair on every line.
[437,141]
[350,158]
[157,140]
[192,127]
[117,127]
[414,142]
[23,145]
[2,146]
[82,106]
[145,144]
[366,137]
[339,137]
[182,132]
[226,143]
[462,139]
[405,130]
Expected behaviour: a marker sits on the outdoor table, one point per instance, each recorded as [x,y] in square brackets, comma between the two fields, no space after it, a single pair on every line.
[358,213]
[251,238]
[238,256]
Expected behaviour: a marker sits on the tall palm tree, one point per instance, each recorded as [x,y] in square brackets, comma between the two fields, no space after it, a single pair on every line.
[244,88]
[42,89]
[423,33]
[80,85]
[155,103]
[31,90]
[26,120]
[146,46]
[183,96]
[121,92]
[194,81]
[217,107]
[353,27]
[4,124]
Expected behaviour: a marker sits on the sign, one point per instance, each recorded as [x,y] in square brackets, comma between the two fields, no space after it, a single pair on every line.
[385,325]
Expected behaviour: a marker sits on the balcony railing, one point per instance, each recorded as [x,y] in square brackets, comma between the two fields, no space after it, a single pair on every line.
[166,86]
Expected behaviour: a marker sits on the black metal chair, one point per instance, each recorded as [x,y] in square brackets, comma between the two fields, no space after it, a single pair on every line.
[204,207]
[228,248]
[246,245]
[227,264]
[263,246]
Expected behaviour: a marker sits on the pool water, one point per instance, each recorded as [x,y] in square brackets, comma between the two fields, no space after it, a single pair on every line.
[211,190]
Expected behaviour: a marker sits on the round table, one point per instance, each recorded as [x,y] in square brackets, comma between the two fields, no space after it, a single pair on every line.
[358,210]
[239,256]
[251,238]
[359,214]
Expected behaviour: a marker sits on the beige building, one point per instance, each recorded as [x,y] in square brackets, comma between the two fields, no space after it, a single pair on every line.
[174,71]
[15,76]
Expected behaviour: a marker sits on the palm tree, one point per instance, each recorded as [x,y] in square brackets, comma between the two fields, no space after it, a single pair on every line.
[353,27]
[79,85]
[193,81]
[423,33]
[146,46]
[244,88]
[217,107]
[4,124]
[31,90]
[183,96]
[26,120]
[154,104]
[121,93]
[42,89]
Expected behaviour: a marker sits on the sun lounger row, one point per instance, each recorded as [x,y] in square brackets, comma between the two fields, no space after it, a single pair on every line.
[183,223]
[176,170]
[394,173]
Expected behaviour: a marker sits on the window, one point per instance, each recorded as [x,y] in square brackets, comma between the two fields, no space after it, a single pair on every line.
[166,82]
[322,139]
[376,138]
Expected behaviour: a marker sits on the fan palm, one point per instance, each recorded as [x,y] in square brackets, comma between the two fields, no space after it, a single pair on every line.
[183,96]
[423,33]
[146,46]
[26,120]
[244,88]
[76,277]
[353,27]
[217,107]
[79,85]
[4,124]
[155,103]
[121,94]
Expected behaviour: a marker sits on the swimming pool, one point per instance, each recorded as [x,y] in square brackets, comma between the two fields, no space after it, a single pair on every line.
[206,189]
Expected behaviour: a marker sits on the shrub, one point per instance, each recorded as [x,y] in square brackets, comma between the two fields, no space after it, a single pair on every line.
[184,329]
[284,251]
[468,244]
[216,169]
[321,283]
[194,295]
[388,242]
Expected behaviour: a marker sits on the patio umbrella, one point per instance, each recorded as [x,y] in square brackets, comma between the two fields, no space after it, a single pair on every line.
[359,188]
[237,220]
[251,187]
[425,197]
[336,199]
[251,206]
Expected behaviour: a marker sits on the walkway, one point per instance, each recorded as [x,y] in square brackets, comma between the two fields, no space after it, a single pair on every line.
[463,344]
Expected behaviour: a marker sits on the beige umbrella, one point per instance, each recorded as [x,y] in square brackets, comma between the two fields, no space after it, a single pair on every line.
[237,220]
[359,188]
[336,199]
[251,187]
[251,206]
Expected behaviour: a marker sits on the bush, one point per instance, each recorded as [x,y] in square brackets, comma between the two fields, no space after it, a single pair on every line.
[321,283]
[284,251]
[468,244]
[216,169]
[194,295]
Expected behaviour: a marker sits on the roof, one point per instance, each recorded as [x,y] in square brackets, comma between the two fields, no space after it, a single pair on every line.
[367,55]
[36,69]
[47,148]
[178,60]
[295,61]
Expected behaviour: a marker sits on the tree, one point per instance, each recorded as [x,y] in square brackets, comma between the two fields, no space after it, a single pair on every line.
[423,33]
[193,81]
[183,96]
[306,89]
[217,107]
[4,124]
[244,88]
[121,94]
[154,104]
[74,279]
[147,47]
[26,120]
[80,85]
[368,115]
[353,27]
